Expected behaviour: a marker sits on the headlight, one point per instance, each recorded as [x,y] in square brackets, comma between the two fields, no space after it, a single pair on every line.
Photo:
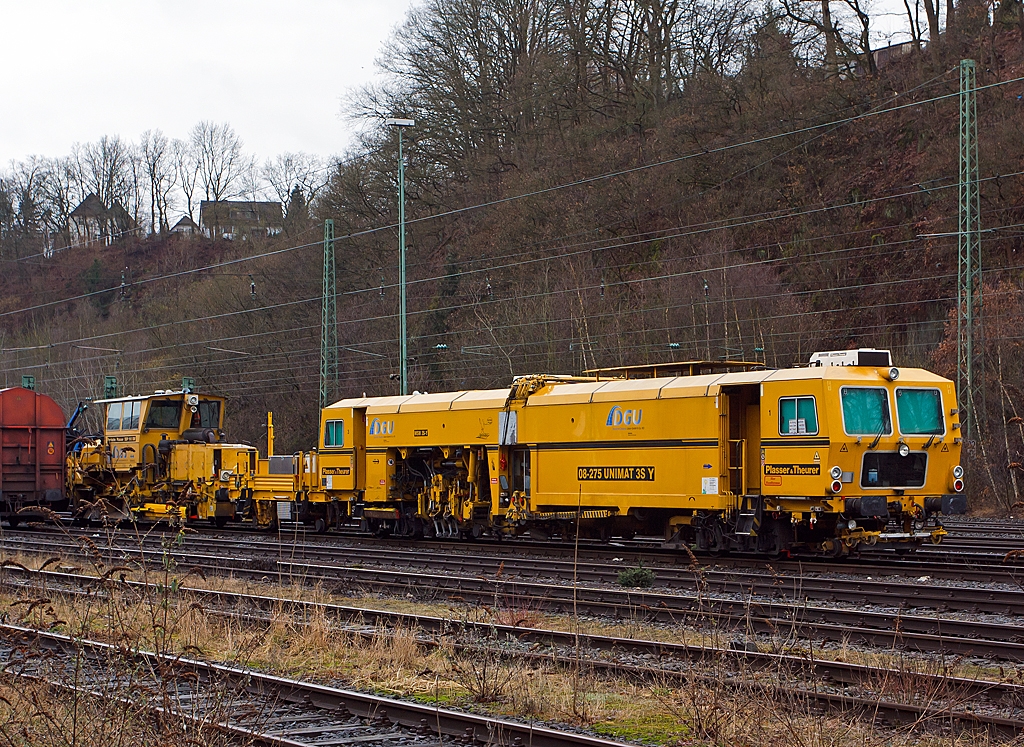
[836,472]
[892,374]
[903,450]
[958,472]
[851,524]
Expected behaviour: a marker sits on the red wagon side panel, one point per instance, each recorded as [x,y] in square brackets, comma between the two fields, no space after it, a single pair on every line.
[32,449]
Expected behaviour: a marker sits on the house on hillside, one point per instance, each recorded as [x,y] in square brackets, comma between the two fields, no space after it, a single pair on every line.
[230,219]
[185,226]
[93,222]
[885,56]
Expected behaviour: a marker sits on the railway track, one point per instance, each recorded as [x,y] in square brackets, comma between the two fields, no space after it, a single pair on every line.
[786,620]
[770,582]
[987,705]
[990,545]
[273,710]
[938,563]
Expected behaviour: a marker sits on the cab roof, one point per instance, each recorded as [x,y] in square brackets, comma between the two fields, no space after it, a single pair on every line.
[155,395]
[469,399]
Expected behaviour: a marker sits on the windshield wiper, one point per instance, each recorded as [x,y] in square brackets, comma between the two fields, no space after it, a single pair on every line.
[931,440]
[878,436]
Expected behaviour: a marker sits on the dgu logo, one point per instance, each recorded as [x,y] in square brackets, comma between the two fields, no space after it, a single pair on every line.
[618,416]
[382,427]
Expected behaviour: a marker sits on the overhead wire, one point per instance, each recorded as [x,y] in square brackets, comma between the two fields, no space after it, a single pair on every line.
[534,193]
[802,259]
[762,318]
[727,225]
[695,229]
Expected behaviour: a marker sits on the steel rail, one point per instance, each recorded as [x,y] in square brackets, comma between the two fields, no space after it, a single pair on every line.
[957,689]
[940,561]
[810,665]
[411,715]
[772,585]
[916,632]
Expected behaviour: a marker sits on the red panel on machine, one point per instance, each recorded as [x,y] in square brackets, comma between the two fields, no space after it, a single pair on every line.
[31,447]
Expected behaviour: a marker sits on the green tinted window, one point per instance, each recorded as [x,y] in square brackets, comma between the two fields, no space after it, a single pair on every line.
[920,411]
[334,433]
[866,411]
[798,416]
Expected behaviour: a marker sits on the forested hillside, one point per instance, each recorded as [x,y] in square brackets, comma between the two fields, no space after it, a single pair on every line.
[587,185]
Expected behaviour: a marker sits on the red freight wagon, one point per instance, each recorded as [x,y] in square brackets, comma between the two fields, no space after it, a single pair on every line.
[32,452]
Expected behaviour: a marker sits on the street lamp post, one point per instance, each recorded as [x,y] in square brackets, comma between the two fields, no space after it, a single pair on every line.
[403,356]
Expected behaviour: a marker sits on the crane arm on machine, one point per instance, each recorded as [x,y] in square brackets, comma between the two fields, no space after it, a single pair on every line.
[79,411]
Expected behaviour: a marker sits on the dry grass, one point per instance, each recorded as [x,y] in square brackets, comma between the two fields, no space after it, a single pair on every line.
[704,708]
[62,704]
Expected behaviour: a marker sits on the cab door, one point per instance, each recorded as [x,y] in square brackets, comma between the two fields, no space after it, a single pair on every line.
[359,448]
[521,472]
[741,437]
[122,431]
[343,450]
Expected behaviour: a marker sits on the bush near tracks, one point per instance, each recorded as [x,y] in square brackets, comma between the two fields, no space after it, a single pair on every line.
[639,578]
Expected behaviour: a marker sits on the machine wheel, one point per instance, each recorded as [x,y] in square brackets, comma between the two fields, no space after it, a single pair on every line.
[320,526]
[13,521]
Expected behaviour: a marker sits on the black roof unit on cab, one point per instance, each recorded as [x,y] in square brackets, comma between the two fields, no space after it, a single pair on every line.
[858,357]
[679,368]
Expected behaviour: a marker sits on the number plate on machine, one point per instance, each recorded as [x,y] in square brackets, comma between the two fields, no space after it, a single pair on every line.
[644,474]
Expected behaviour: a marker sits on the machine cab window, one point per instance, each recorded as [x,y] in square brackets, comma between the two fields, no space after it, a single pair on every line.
[919,412]
[798,416]
[334,433]
[164,413]
[866,411]
[123,416]
[209,414]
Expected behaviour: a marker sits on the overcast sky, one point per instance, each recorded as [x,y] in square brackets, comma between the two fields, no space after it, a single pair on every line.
[275,71]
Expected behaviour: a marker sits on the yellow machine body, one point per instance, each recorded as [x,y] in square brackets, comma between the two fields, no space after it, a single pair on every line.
[162,457]
[822,458]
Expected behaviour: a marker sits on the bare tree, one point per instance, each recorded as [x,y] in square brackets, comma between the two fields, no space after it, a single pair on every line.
[186,173]
[27,181]
[158,161]
[289,170]
[931,10]
[830,32]
[861,12]
[105,168]
[8,210]
[218,152]
[816,23]
[251,184]
[63,190]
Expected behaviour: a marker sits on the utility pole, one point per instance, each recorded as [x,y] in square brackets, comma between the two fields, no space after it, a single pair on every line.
[403,355]
[328,322]
[970,341]
[707,322]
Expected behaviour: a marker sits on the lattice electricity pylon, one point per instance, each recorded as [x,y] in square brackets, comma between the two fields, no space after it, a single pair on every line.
[970,341]
[328,322]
